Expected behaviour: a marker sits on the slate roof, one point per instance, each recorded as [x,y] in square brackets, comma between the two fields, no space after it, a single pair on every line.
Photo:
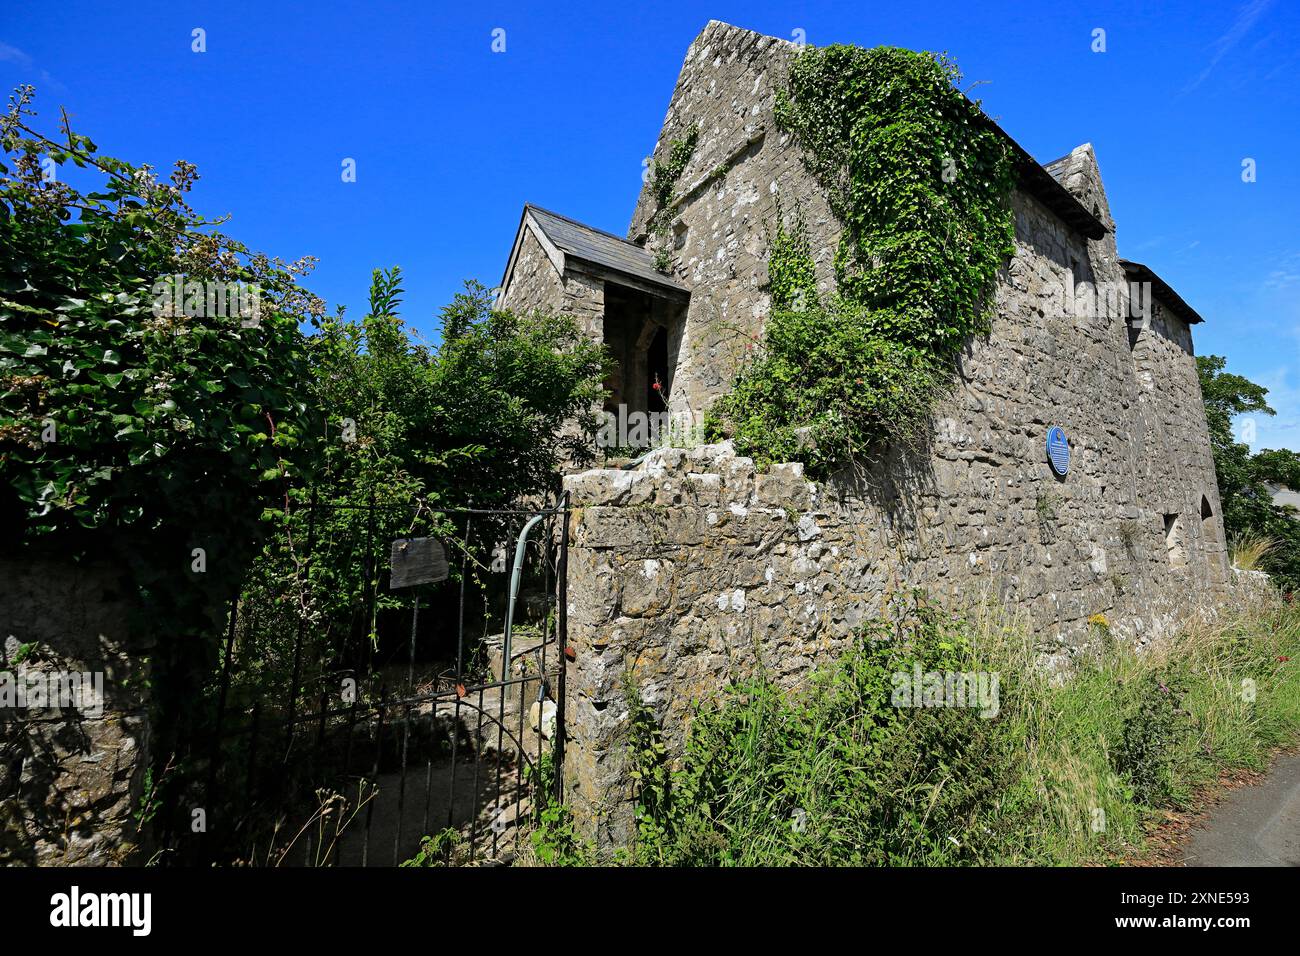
[1137,272]
[1283,496]
[1044,183]
[595,247]
[1058,168]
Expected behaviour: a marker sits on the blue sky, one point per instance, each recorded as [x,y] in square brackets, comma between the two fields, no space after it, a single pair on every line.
[451,138]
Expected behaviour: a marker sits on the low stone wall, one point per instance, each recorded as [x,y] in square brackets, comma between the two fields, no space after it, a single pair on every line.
[682,575]
[1253,587]
[688,570]
[70,779]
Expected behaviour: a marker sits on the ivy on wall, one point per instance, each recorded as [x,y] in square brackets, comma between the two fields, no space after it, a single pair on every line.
[663,186]
[920,184]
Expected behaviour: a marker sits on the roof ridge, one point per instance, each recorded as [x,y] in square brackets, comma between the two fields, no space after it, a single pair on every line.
[577,222]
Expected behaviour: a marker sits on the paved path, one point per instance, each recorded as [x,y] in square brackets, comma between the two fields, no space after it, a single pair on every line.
[1254,826]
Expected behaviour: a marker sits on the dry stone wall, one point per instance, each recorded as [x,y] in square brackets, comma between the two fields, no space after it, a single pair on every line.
[71,778]
[689,571]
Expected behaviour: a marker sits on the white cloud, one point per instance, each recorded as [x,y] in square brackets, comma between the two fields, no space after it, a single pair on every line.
[11,54]
[1281,430]
[1247,17]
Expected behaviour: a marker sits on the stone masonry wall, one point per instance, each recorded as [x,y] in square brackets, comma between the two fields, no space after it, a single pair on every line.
[1178,476]
[728,195]
[689,569]
[538,287]
[70,782]
[682,573]
[981,503]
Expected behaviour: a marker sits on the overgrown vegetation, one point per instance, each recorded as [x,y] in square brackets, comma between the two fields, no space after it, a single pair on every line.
[1066,772]
[663,186]
[920,184]
[138,426]
[553,839]
[410,429]
[1249,549]
[1250,518]
[145,422]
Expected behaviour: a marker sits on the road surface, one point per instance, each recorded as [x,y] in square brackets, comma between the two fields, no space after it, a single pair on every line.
[1253,826]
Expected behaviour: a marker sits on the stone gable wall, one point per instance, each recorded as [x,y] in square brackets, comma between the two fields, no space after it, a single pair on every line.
[536,286]
[687,571]
[729,193]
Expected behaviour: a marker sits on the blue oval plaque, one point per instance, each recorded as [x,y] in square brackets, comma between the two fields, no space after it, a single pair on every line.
[1058,451]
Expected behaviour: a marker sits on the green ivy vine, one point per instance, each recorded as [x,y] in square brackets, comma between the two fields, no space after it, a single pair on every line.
[920,184]
[663,185]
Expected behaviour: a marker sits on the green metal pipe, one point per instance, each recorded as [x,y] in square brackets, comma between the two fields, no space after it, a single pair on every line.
[515,575]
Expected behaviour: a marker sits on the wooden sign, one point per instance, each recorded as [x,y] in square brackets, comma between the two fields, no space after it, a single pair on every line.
[417,561]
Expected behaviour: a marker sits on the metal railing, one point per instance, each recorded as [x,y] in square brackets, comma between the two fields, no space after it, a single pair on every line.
[352,726]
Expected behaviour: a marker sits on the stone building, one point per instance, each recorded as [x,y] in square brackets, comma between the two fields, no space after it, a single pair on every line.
[690,567]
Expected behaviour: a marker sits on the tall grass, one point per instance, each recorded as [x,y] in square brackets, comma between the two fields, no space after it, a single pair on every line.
[833,773]
[1250,548]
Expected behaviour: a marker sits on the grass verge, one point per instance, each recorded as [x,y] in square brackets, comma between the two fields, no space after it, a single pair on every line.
[874,761]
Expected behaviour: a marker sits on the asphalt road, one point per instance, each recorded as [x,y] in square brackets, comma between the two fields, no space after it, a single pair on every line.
[1253,826]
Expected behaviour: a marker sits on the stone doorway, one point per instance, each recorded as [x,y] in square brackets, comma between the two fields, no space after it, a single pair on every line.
[643,334]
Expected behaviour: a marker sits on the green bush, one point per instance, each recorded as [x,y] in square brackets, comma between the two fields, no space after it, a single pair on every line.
[138,426]
[1066,772]
[481,420]
[1145,754]
[832,773]
[825,388]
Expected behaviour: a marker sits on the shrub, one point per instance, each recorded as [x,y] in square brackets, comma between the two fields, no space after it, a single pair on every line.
[139,426]
[832,773]
[1145,752]
[1067,771]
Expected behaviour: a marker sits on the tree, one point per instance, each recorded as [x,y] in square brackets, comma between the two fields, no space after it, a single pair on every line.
[1243,477]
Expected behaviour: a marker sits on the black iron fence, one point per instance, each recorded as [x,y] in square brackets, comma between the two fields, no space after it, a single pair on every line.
[391,689]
